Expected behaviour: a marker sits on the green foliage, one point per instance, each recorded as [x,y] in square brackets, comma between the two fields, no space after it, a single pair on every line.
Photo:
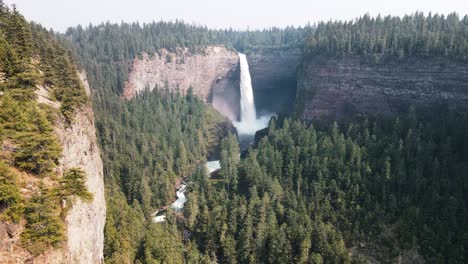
[27,126]
[374,38]
[124,228]
[306,194]
[229,161]
[11,201]
[30,56]
[73,183]
[161,244]
[38,148]
[148,143]
[44,227]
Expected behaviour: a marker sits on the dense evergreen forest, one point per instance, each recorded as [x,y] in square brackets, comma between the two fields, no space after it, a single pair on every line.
[153,141]
[396,37]
[307,194]
[150,141]
[31,57]
[374,187]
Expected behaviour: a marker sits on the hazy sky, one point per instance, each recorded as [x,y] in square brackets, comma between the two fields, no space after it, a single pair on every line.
[239,14]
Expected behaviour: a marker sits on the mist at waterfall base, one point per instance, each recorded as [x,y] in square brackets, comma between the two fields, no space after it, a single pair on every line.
[249,123]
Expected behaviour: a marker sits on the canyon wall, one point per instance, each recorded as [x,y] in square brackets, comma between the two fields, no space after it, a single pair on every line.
[274,78]
[212,73]
[84,222]
[339,87]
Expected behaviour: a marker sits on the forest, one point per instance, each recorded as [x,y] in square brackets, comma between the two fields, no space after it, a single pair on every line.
[32,57]
[158,138]
[342,192]
[308,194]
[375,187]
[374,38]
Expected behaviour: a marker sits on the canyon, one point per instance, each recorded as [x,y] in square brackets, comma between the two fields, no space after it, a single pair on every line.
[321,87]
[214,75]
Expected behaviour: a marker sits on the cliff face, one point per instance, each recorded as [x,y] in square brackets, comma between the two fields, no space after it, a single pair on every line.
[336,88]
[274,77]
[213,75]
[85,221]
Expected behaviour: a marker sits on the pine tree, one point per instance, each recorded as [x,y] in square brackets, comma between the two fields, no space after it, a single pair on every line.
[38,149]
[43,228]
[11,202]
[73,183]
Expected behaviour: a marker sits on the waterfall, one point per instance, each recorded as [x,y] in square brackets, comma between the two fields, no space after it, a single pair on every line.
[248,114]
[249,124]
[178,205]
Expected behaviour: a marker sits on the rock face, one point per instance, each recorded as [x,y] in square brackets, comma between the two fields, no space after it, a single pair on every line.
[226,94]
[274,78]
[85,221]
[338,87]
[212,74]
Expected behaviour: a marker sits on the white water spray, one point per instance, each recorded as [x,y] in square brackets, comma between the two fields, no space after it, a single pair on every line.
[248,114]
[249,124]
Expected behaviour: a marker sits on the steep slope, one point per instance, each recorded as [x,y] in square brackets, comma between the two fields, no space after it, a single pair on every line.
[383,65]
[340,87]
[214,75]
[85,221]
[274,77]
[52,207]
[211,73]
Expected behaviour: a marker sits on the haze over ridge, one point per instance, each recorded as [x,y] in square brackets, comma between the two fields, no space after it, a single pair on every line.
[239,14]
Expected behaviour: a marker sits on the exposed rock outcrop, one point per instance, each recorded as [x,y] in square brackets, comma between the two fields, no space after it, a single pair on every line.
[85,221]
[274,77]
[339,87]
[212,74]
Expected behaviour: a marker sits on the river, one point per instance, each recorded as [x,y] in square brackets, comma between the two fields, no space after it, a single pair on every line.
[178,204]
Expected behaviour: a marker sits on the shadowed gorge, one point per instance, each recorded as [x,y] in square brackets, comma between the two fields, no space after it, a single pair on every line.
[274,78]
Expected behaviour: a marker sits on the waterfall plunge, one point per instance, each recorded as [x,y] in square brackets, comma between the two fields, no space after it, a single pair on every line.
[249,124]
[248,114]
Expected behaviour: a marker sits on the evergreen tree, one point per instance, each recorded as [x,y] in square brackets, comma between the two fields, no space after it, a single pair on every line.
[43,228]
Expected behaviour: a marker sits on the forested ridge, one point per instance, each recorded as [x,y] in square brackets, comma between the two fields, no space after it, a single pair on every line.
[31,57]
[373,38]
[109,49]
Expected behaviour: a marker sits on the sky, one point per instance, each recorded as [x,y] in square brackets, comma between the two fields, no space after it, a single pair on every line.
[238,14]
